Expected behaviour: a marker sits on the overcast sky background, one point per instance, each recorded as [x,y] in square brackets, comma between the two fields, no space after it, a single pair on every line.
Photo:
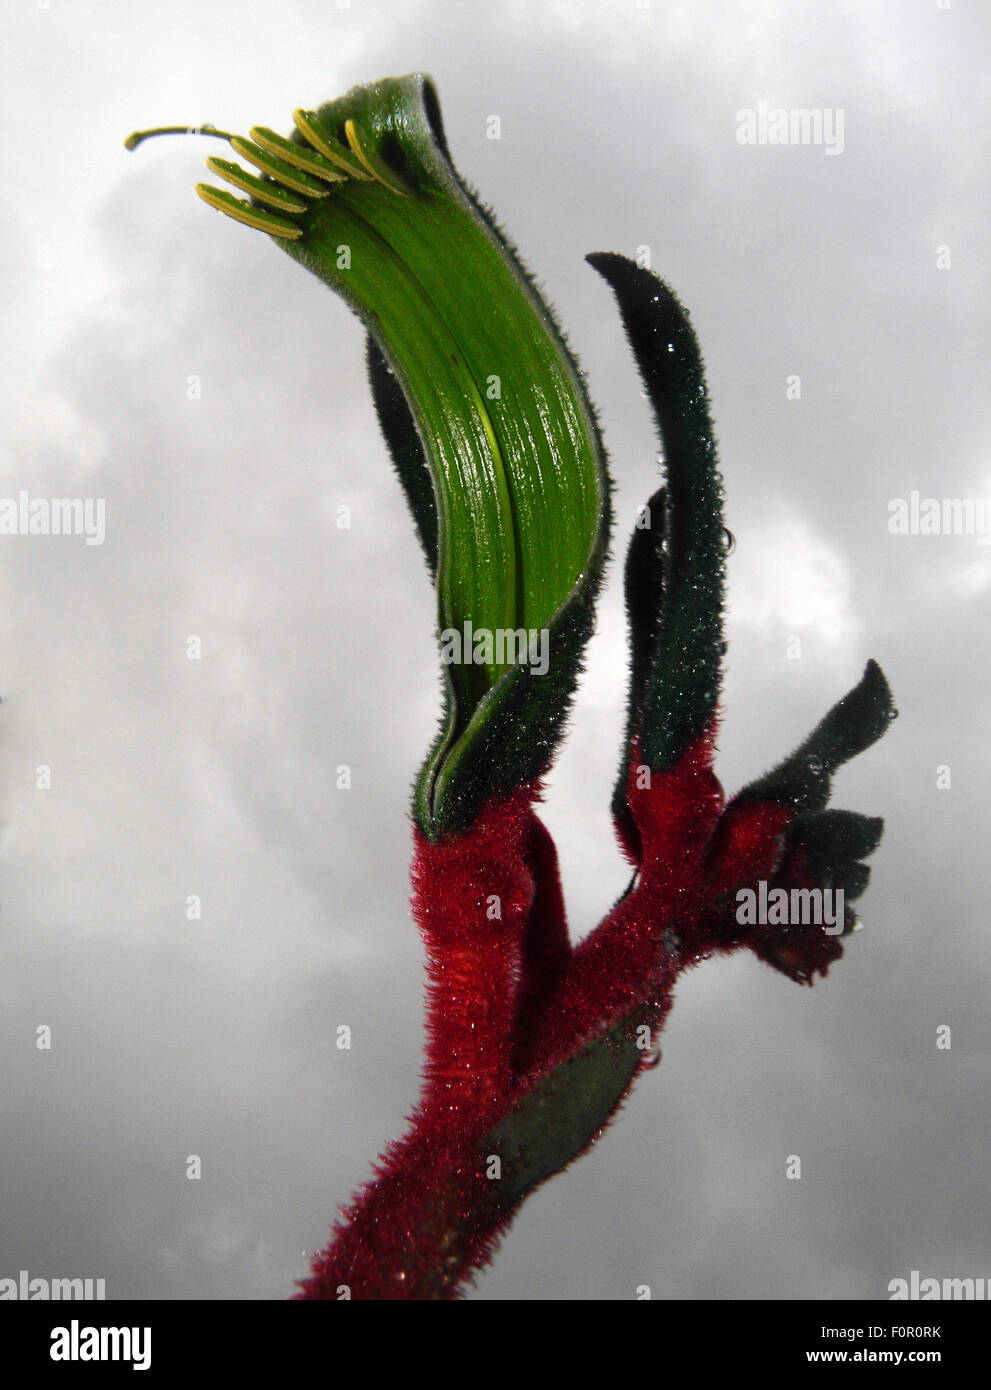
[217,777]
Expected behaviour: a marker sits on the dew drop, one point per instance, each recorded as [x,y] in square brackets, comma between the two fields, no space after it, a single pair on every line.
[651,1059]
[857,925]
[814,766]
[670,347]
[893,714]
[729,541]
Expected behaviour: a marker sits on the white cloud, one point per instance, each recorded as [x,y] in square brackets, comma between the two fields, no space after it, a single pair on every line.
[786,578]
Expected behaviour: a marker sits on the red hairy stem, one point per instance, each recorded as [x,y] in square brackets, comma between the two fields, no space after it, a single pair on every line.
[419,1229]
[472,900]
[546,950]
[488,904]
[626,959]
[508,1000]
[745,845]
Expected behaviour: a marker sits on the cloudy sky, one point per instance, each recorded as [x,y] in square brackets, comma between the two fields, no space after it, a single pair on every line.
[863,272]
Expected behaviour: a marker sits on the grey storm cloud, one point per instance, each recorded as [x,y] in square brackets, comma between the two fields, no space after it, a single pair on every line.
[173,364]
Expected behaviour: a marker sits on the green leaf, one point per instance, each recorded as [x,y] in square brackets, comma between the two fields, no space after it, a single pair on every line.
[560,1116]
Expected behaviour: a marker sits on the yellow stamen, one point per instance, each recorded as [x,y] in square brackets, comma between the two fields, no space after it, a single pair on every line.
[307,160]
[244,212]
[329,148]
[278,169]
[376,166]
[267,192]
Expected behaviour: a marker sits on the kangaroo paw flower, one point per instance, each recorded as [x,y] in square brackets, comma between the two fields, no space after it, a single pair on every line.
[532,1043]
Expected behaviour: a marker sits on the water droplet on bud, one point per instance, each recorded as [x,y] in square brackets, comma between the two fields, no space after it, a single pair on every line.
[651,1059]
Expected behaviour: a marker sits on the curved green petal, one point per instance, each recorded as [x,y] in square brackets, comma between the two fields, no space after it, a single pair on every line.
[804,778]
[517,532]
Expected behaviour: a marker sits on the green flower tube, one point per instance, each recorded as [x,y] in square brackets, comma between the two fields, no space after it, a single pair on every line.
[490,407]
